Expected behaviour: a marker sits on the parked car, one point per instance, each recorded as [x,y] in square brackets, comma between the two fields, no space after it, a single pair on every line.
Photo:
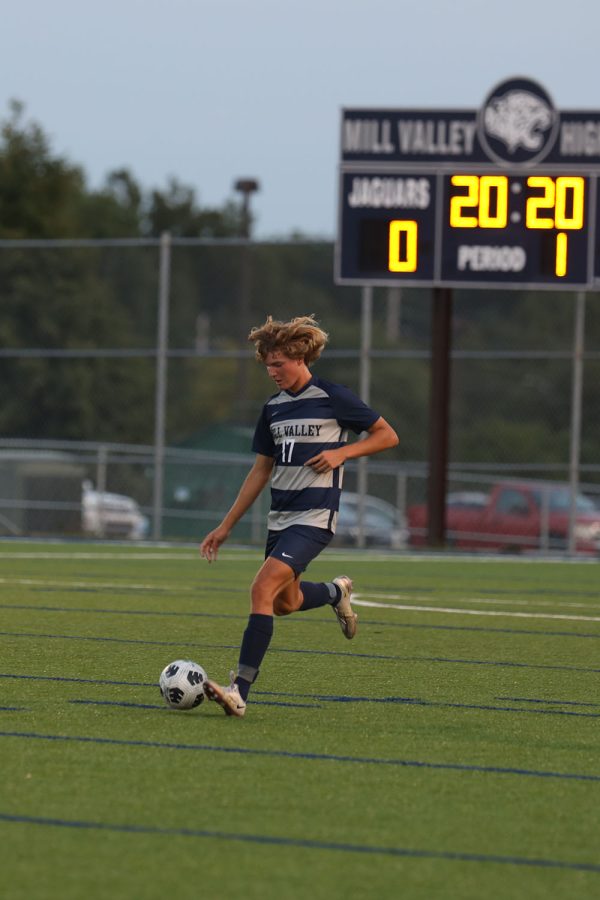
[515,516]
[111,515]
[383,525]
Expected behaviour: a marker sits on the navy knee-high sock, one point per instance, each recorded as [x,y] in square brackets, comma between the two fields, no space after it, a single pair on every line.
[255,644]
[316,595]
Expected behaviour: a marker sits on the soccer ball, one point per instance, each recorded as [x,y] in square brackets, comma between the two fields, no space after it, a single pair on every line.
[182,684]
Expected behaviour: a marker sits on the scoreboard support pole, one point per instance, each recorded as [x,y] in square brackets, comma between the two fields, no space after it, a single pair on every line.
[576,405]
[366,342]
[441,326]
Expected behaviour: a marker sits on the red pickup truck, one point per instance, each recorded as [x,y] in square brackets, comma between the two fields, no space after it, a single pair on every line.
[515,516]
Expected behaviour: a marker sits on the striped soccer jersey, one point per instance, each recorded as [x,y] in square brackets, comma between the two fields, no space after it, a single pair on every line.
[293,428]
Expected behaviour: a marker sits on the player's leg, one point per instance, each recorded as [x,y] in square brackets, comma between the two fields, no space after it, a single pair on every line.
[303,595]
[277,590]
[298,546]
[272,578]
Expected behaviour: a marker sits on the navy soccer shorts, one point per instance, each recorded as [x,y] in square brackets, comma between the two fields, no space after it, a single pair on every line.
[297,545]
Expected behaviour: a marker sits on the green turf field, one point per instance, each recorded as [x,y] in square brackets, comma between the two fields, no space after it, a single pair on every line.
[450,751]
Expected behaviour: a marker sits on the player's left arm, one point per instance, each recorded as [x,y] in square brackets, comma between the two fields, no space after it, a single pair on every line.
[380,436]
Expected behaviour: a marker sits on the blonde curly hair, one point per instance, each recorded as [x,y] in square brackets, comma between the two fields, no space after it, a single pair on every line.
[301,338]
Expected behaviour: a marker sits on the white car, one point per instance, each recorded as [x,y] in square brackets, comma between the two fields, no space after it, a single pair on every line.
[107,515]
[383,524]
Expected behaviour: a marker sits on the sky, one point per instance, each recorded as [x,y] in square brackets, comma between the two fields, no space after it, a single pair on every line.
[209,91]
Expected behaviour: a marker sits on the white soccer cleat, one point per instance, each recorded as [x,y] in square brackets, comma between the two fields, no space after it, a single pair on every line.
[227,697]
[343,609]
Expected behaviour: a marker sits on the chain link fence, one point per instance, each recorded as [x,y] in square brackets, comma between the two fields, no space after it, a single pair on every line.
[124,365]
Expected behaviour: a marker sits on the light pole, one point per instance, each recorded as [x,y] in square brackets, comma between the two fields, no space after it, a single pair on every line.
[246,187]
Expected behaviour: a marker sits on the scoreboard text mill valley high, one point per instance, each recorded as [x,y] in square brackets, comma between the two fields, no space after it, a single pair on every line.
[504,197]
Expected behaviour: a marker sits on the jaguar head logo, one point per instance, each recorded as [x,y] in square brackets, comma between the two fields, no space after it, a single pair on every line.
[519,119]
[518,122]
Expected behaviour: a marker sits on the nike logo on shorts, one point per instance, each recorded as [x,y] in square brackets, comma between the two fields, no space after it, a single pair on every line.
[287,555]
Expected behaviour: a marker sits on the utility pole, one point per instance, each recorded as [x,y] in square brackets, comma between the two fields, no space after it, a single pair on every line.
[439,415]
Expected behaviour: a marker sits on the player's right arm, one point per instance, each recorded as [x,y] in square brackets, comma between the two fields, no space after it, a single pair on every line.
[255,481]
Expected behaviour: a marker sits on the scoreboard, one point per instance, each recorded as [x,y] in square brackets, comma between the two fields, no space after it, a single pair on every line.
[507,196]
[465,227]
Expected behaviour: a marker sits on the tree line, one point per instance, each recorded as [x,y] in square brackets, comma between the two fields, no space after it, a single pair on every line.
[104,298]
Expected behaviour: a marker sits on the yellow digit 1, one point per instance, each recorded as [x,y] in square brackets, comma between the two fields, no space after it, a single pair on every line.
[493,186]
[560,262]
[402,249]
[567,216]
[470,200]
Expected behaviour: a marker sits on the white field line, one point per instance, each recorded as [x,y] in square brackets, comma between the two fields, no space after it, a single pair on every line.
[244,554]
[452,611]
[126,557]
[532,602]
[120,586]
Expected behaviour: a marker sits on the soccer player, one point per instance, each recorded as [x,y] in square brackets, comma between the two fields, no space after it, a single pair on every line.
[301,446]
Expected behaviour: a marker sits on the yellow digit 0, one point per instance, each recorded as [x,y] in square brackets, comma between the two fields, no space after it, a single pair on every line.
[493,186]
[402,253]
[575,187]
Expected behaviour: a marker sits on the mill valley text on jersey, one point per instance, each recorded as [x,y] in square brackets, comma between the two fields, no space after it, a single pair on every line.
[292,429]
